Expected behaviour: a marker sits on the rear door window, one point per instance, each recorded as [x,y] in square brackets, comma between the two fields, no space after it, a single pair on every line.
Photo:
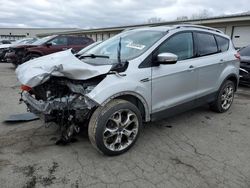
[74,41]
[60,41]
[205,44]
[79,41]
[223,43]
[85,40]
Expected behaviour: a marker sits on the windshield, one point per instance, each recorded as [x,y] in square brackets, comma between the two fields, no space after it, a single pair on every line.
[43,40]
[31,41]
[133,44]
[25,41]
[245,51]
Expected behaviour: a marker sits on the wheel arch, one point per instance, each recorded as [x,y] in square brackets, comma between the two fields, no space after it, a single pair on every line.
[135,99]
[234,78]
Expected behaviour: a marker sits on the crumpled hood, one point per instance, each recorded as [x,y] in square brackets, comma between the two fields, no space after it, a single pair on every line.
[61,64]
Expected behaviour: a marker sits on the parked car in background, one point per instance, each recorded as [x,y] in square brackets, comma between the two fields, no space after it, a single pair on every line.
[4,48]
[245,65]
[5,42]
[44,46]
[84,50]
[137,76]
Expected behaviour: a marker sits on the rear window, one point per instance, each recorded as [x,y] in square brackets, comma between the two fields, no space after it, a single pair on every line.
[206,44]
[223,43]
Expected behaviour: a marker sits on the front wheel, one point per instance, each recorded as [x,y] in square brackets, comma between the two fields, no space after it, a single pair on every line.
[114,128]
[224,98]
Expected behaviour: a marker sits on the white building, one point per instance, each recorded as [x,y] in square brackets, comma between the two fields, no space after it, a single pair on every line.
[236,26]
[18,33]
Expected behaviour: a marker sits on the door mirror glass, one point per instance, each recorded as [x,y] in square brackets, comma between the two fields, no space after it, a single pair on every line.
[167,58]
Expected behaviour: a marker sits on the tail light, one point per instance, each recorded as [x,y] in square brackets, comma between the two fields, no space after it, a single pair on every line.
[237,55]
[25,88]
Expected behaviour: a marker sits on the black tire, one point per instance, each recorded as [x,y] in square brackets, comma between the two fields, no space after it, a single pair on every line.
[217,105]
[30,56]
[101,118]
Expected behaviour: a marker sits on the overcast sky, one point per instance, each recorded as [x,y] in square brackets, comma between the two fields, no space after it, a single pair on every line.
[101,13]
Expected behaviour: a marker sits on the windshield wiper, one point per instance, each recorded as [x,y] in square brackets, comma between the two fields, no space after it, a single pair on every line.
[94,56]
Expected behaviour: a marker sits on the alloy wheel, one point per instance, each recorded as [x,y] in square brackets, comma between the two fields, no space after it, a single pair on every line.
[227,97]
[121,130]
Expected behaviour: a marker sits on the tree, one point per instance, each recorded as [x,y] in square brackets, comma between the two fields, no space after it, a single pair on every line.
[155,20]
[201,15]
[181,18]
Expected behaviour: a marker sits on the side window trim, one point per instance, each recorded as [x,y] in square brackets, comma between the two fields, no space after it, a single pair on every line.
[217,44]
[196,44]
[148,63]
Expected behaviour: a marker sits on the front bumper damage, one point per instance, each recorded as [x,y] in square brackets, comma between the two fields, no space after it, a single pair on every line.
[70,112]
[57,85]
[73,102]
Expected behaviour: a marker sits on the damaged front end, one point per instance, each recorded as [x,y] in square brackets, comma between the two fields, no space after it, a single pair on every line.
[63,101]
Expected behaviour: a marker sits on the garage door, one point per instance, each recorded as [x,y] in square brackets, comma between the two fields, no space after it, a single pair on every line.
[241,36]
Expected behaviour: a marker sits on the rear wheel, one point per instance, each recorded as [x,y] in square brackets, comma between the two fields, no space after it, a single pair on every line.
[114,128]
[225,97]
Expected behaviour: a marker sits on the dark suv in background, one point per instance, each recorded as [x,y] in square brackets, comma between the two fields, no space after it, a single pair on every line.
[44,46]
[245,65]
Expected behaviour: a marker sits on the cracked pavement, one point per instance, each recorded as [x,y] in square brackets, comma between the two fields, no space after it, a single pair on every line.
[196,149]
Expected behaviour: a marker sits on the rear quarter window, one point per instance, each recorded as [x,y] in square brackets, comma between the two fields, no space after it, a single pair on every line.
[205,44]
[223,43]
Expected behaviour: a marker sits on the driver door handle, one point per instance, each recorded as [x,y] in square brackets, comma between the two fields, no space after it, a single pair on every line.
[191,68]
[221,62]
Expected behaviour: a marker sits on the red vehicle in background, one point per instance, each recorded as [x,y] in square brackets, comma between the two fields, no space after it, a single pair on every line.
[21,53]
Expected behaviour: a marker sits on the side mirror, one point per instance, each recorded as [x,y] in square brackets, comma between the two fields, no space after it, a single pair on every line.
[167,58]
[48,44]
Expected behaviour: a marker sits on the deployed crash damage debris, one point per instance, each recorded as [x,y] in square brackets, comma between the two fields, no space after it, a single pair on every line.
[62,101]
[21,117]
[54,87]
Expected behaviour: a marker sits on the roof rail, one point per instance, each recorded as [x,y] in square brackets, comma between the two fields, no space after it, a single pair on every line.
[199,27]
[132,28]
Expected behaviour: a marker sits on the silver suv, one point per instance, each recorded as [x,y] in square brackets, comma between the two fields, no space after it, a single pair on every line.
[137,76]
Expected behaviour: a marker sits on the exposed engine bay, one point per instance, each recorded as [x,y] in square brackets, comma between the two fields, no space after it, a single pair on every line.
[63,101]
